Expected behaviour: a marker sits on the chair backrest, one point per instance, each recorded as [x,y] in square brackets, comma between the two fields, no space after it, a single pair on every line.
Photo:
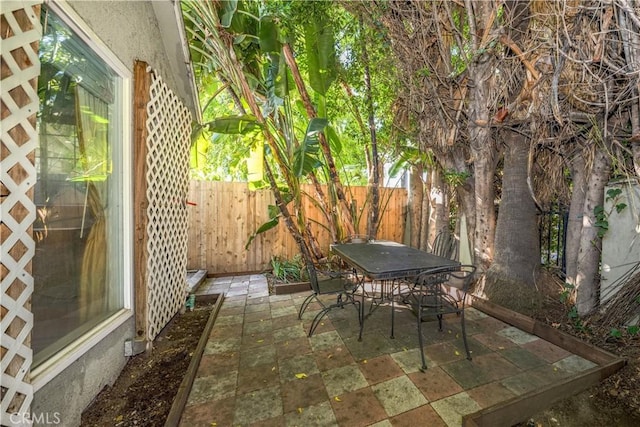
[462,274]
[356,238]
[445,245]
[458,278]
[434,276]
[462,277]
[313,277]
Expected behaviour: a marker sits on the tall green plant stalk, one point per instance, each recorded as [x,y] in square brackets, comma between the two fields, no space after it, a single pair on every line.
[334,179]
[247,53]
[374,184]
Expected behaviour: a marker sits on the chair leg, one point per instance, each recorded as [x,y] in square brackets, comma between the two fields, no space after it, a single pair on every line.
[464,335]
[361,313]
[424,362]
[305,304]
[316,320]
[393,311]
[360,308]
[325,309]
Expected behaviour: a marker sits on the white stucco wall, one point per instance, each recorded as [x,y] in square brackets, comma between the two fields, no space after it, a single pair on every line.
[621,243]
[130,29]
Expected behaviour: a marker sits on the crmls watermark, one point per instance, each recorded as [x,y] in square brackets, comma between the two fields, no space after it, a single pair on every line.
[30,418]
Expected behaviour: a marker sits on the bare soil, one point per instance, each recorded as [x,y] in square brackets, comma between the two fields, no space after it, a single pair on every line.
[145,390]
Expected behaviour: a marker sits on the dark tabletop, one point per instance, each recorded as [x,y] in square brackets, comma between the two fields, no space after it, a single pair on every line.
[388,260]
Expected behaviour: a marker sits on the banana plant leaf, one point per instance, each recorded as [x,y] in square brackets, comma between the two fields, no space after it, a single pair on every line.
[321,55]
[268,34]
[227,12]
[273,222]
[233,125]
[334,140]
[274,217]
[305,157]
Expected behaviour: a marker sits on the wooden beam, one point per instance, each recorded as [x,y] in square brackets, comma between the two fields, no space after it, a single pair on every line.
[523,407]
[182,395]
[141,96]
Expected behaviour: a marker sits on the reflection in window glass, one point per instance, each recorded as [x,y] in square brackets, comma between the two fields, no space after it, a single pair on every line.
[77,273]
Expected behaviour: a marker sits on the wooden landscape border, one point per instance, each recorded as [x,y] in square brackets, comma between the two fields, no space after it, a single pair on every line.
[290,288]
[522,407]
[180,400]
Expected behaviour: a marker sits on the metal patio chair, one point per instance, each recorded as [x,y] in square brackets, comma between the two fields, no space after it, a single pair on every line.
[430,297]
[445,245]
[326,281]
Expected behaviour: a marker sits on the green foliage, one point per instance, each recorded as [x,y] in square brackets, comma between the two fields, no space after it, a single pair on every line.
[615,333]
[455,178]
[269,35]
[602,217]
[574,317]
[288,271]
[232,125]
[629,331]
[234,42]
[602,221]
[613,194]
[320,49]
[565,295]
[305,157]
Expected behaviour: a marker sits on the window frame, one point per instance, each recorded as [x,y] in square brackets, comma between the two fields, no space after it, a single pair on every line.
[53,366]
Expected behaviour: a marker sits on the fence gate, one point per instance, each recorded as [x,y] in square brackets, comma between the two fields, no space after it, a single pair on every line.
[552,226]
[21,33]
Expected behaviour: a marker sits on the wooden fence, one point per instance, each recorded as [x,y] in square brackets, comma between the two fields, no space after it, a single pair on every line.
[227,213]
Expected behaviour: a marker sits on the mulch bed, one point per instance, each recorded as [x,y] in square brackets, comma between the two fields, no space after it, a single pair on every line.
[145,390]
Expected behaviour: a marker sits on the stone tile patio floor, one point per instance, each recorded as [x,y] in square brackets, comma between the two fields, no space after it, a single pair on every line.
[259,368]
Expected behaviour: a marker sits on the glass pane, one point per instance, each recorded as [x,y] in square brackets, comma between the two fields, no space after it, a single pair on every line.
[76,268]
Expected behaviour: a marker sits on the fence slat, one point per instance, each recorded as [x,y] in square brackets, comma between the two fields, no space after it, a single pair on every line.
[226,213]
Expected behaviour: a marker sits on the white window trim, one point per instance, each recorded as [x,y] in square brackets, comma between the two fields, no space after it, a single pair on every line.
[53,366]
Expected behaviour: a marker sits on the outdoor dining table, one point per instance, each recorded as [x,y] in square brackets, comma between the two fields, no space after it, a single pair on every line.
[387,261]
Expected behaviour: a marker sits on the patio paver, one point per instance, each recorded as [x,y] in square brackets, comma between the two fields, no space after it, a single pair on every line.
[260,368]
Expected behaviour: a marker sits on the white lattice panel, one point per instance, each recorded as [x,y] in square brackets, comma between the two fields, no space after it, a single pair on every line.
[21,33]
[168,142]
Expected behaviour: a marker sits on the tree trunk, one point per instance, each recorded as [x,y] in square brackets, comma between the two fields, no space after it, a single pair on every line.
[374,182]
[464,192]
[481,85]
[510,281]
[288,218]
[426,213]
[484,154]
[588,261]
[578,169]
[416,195]
[439,212]
[466,202]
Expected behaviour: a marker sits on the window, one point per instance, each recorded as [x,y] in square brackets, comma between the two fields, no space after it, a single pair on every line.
[81,193]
